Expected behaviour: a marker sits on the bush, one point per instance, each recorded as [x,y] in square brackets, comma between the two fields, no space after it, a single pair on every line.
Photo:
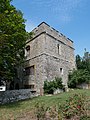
[78,77]
[40,111]
[85,118]
[51,86]
[75,106]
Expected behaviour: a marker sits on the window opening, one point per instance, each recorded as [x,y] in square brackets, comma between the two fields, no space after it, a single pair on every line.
[28,48]
[61,71]
[58,48]
[29,86]
[29,70]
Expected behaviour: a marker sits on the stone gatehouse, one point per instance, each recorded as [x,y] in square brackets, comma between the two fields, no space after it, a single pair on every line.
[48,55]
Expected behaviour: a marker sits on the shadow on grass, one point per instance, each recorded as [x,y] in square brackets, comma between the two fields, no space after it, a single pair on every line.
[16,104]
[11,105]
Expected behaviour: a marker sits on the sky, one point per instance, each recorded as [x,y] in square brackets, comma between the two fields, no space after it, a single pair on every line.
[70,17]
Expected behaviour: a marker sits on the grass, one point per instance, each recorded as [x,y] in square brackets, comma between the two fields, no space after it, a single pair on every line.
[14,110]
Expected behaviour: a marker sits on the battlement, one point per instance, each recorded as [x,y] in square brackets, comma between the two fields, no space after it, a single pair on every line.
[45,28]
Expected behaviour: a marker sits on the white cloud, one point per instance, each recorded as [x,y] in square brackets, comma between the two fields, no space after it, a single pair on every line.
[66,18]
[62,8]
[65,9]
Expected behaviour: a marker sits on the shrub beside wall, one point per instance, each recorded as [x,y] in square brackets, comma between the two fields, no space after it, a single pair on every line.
[51,86]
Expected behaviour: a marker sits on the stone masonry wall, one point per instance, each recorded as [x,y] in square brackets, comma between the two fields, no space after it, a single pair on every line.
[49,51]
[15,95]
[44,27]
[52,67]
[65,52]
[38,77]
[36,47]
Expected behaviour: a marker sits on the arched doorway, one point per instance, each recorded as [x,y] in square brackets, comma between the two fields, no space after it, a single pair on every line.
[17,86]
[11,85]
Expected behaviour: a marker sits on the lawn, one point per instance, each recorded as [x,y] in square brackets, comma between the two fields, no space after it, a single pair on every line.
[24,110]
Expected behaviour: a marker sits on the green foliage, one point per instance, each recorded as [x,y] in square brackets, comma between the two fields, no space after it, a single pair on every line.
[82,74]
[84,62]
[74,106]
[78,62]
[51,86]
[85,118]
[13,37]
[25,109]
[78,77]
[59,83]
[41,111]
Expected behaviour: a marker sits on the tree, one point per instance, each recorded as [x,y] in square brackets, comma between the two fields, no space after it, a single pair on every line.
[84,62]
[78,77]
[82,74]
[13,37]
[78,62]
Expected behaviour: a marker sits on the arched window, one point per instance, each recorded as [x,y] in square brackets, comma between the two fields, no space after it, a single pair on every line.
[27,50]
[11,85]
[29,70]
[59,48]
[61,71]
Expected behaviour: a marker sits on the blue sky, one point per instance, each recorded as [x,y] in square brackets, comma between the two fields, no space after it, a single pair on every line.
[70,17]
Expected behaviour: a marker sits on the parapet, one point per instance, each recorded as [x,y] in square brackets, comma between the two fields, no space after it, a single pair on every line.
[45,28]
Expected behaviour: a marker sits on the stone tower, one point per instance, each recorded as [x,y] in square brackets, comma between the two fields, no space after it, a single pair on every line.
[48,55]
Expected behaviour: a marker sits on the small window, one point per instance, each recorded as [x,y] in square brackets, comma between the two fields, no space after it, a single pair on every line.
[28,48]
[59,49]
[29,86]
[29,70]
[32,70]
[27,51]
[61,71]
